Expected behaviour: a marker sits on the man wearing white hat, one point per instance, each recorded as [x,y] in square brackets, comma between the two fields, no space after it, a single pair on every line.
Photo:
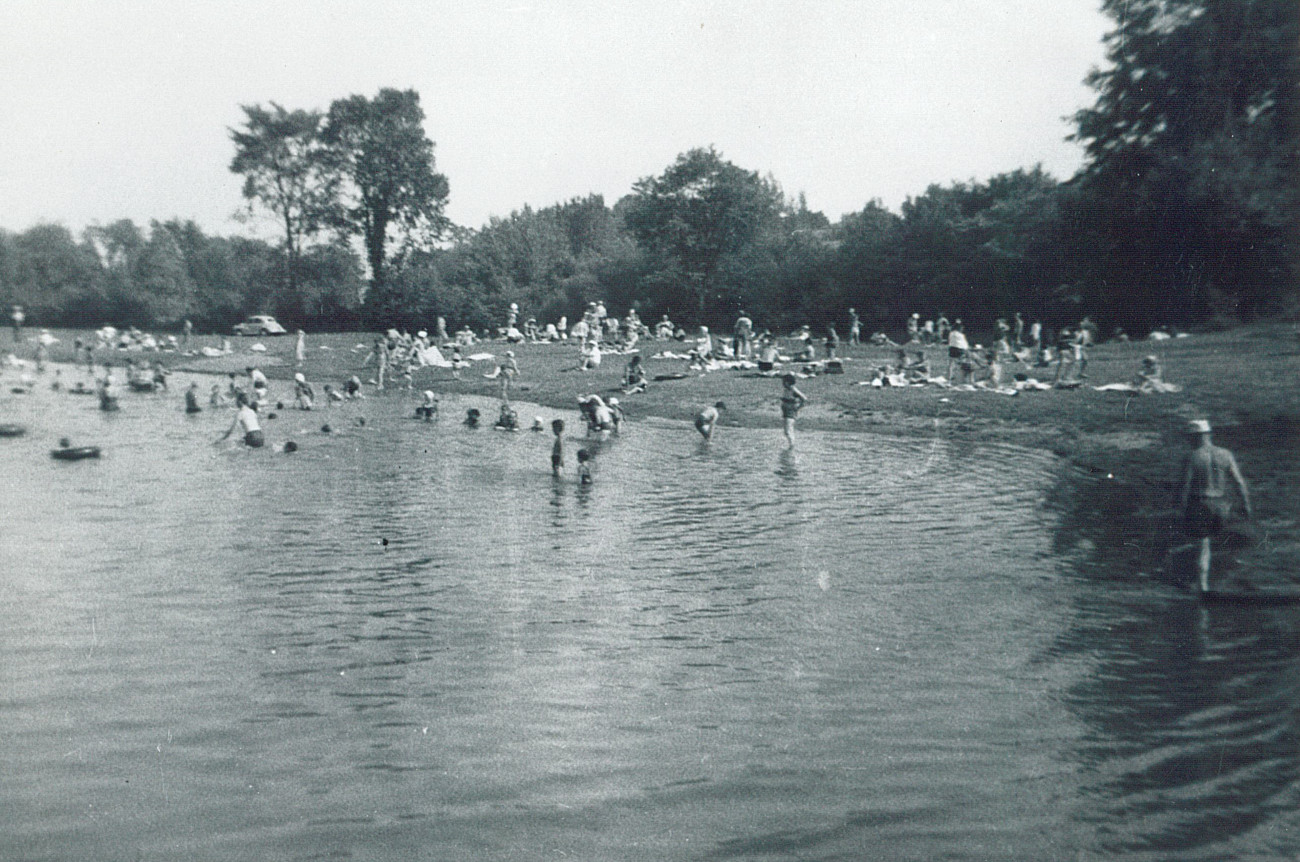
[1204,501]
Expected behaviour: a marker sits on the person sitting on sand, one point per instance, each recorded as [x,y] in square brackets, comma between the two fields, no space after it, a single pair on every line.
[634,379]
[590,355]
[1151,375]
[303,393]
[707,419]
[472,417]
[918,368]
[704,344]
[352,388]
[246,418]
[1204,500]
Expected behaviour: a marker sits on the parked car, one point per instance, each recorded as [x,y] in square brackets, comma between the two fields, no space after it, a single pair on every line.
[260,324]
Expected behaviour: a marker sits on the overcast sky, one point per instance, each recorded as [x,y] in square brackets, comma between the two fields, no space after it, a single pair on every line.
[116,109]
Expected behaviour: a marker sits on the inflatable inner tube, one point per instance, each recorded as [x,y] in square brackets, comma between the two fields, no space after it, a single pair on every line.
[75,453]
[12,430]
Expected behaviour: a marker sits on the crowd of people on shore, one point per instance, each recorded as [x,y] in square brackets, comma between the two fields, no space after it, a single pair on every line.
[1016,348]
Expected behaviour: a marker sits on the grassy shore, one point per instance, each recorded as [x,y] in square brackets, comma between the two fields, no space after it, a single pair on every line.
[1246,381]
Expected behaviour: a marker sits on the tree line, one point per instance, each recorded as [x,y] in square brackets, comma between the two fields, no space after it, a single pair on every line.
[1185,213]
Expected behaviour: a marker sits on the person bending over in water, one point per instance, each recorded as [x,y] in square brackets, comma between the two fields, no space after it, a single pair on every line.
[707,419]
[792,401]
[246,419]
[1204,501]
[429,408]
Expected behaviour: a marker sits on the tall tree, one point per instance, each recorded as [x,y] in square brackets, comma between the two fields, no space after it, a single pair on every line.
[1193,153]
[389,187]
[287,171]
[701,209]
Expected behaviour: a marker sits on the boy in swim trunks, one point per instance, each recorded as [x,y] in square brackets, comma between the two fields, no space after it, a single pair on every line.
[792,401]
[1204,500]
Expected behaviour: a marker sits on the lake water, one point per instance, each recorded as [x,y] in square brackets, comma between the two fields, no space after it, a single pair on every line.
[407,641]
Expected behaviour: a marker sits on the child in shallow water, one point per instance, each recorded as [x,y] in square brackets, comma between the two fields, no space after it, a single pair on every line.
[508,420]
[557,450]
[584,467]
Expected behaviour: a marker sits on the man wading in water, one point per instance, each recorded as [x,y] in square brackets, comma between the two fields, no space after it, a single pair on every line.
[1205,503]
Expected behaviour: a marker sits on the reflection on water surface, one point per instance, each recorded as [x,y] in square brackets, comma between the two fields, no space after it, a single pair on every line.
[723,651]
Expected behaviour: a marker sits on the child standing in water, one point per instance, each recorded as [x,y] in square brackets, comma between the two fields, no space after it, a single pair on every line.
[192,398]
[584,467]
[792,401]
[557,450]
[707,419]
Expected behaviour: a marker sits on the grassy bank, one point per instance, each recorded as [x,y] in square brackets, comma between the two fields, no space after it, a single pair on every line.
[1243,380]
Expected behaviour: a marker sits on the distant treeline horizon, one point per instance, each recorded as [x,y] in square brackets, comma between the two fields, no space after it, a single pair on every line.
[1184,214]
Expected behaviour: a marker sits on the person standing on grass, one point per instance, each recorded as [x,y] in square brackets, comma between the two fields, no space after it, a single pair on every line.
[742,335]
[1204,500]
[509,371]
[958,348]
[855,327]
